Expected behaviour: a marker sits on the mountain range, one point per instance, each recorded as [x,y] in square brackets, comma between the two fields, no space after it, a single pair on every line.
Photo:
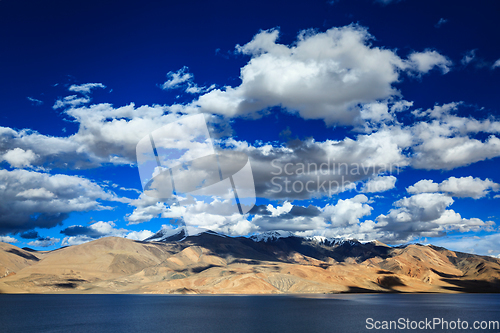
[270,263]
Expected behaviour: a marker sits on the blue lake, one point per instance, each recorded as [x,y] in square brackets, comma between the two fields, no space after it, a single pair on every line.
[186,313]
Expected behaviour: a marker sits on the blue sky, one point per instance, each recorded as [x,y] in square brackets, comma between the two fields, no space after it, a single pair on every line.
[407,89]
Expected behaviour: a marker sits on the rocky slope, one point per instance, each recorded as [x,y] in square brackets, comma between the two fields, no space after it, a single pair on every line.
[211,263]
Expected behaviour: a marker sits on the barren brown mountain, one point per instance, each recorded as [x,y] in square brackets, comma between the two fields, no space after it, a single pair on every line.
[211,263]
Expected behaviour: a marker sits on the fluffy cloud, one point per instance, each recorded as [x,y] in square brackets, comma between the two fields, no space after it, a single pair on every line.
[44,242]
[31,199]
[422,215]
[70,101]
[321,76]
[78,234]
[447,141]
[339,219]
[109,135]
[468,187]
[106,135]
[217,215]
[347,212]
[28,148]
[95,230]
[19,158]
[457,187]
[425,215]
[145,214]
[379,184]
[337,76]
[8,239]
[85,88]
[286,208]
[496,64]
[307,169]
[183,79]
[446,153]
[139,235]
[177,78]
[438,111]
[423,186]
[376,113]
[76,240]
[423,62]
[146,208]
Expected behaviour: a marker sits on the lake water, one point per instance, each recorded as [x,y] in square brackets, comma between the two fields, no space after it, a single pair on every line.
[186,313]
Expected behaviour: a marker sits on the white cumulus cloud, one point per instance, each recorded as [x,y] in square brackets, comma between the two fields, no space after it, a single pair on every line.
[30,199]
[423,62]
[324,75]
[8,239]
[380,184]
[19,158]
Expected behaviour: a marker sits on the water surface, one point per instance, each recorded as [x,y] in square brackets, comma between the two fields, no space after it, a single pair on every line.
[186,313]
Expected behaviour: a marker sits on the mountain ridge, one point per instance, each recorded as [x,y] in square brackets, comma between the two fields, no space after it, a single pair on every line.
[212,263]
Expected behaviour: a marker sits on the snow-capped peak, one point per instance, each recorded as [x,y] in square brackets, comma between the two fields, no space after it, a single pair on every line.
[167,234]
[270,236]
[332,241]
[210,232]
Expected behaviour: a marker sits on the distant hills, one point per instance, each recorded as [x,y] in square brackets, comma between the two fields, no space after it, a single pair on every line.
[270,263]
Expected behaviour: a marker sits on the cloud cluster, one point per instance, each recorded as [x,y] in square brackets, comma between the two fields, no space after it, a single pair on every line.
[426,215]
[446,141]
[44,242]
[323,75]
[8,239]
[109,135]
[183,79]
[176,79]
[85,88]
[71,101]
[30,199]
[106,135]
[423,62]
[421,215]
[457,187]
[78,234]
[496,64]
[468,57]
[307,169]
[347,212]
[19,158]
[146,208]
[337,76]
[379,184]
